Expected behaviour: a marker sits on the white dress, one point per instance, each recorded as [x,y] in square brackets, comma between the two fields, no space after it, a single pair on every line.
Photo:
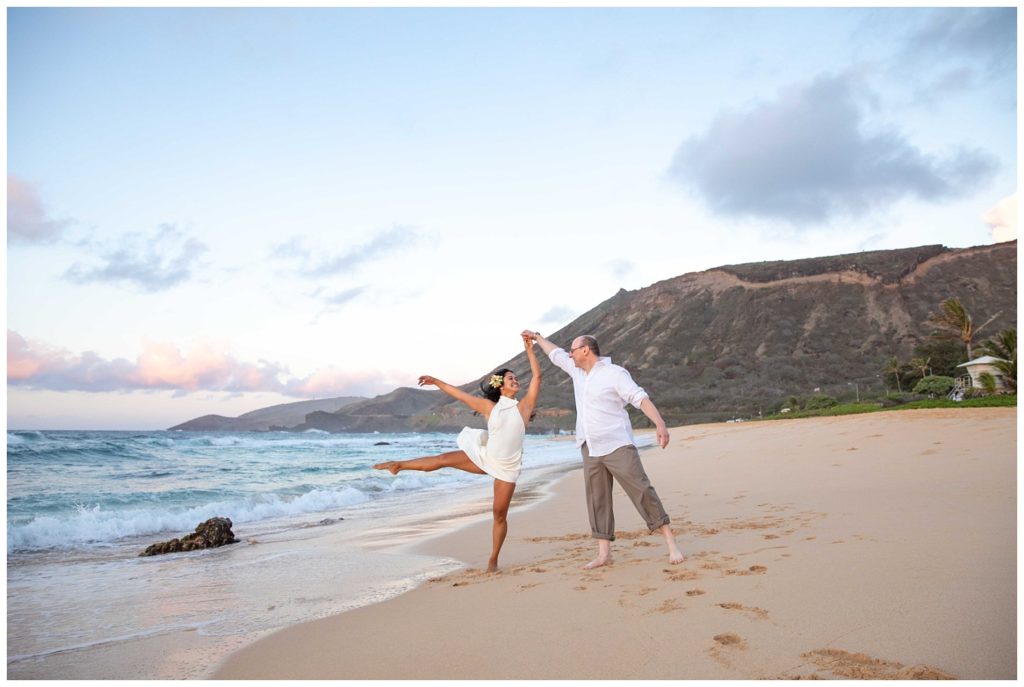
[498,451]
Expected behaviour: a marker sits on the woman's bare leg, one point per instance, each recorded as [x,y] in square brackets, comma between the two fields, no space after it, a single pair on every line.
[453,459]
[502,498]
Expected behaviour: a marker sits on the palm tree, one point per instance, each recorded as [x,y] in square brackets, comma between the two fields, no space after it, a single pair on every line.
[893,366]
[921,365]
[1004,346]
[956,323]
[988,382]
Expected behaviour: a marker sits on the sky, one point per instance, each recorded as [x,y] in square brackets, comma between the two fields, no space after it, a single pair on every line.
[210,211]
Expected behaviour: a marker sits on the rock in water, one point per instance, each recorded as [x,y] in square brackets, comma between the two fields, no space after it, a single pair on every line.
[210,534]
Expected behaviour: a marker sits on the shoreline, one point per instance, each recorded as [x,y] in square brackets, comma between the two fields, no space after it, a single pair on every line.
[193,653]
[811,552]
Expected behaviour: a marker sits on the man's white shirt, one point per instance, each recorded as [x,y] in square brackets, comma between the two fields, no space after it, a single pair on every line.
[601,398]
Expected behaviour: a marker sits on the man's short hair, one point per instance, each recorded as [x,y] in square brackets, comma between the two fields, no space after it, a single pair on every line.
[591,343]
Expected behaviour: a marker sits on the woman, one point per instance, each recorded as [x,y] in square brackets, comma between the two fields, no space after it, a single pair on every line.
[497,452]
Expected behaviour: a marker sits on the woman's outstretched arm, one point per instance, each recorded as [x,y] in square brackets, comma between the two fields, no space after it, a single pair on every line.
[476,403]
[529,402]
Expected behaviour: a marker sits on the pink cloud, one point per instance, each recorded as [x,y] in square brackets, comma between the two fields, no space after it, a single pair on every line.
[161,365]
[27,219]
[331,381]
[1002,218]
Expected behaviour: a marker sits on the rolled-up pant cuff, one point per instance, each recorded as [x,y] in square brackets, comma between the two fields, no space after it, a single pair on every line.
[661,523]
[602,535]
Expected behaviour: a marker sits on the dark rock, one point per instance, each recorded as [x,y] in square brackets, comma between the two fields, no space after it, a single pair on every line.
[210,534]
[383,443]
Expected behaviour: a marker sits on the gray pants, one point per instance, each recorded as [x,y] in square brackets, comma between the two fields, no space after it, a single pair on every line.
[624,465]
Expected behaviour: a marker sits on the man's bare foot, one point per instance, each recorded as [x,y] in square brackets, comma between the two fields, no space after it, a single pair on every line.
[675,557]
[391,466]
[598,562]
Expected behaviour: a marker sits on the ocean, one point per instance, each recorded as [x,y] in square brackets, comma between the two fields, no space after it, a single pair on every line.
[321,531]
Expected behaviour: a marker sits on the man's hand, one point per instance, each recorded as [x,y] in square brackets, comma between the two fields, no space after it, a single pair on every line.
[544,344]
[427,380]
[662,432]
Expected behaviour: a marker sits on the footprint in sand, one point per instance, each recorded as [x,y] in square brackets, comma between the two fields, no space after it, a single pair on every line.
[728,639]
[857,666]
[681,575]
[695,592]
[668,606]
[725,643]
[749,611]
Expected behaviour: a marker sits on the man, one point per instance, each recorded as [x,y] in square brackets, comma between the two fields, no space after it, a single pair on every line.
[605,438]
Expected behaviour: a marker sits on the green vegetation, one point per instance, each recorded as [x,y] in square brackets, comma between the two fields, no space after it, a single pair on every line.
[954,322]
[1004,346]
[994,401]
[819,402]
[934,385]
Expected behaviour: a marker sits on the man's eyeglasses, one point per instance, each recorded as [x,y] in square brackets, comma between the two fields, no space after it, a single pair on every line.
[573,350]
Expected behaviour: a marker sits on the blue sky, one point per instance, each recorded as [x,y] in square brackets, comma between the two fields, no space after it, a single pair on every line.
[214,210]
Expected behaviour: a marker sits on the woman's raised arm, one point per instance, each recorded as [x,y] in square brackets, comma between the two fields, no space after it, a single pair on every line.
[529,402]
[475,403]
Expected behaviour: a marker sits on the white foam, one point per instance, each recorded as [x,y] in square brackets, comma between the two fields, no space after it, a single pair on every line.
[94,525]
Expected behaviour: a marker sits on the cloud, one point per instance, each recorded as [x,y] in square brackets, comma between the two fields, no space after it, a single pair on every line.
[983,37]
[27,219]
[332,381]
[163,366]
[159,366]
[620,268]
[342,297]
[806,157]
[314,263]
[558,315]
[1003,219]
[152,264]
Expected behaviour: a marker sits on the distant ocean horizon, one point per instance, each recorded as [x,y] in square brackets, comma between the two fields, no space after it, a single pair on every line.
[81,506]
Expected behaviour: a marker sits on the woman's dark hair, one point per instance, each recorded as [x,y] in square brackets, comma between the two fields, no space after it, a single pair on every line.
[491,393]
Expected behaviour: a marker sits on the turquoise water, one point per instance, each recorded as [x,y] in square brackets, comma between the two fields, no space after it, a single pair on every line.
[88,490]
[317,527]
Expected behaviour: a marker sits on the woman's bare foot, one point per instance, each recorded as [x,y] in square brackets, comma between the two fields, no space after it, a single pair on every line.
[492,566]
[391,466]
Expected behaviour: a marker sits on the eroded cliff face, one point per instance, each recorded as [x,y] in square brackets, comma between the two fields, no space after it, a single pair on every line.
[734,338]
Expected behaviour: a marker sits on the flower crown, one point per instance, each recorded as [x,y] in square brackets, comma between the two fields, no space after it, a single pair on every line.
[496,381]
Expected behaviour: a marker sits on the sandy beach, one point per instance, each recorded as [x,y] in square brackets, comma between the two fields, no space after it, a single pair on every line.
[869,546]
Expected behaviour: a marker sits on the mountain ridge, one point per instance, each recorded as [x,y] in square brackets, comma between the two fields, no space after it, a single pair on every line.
[737,339]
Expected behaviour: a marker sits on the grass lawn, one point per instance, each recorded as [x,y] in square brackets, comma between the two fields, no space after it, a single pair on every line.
[1001,400]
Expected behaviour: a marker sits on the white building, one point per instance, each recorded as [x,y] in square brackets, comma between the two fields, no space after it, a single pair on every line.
[986,363]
